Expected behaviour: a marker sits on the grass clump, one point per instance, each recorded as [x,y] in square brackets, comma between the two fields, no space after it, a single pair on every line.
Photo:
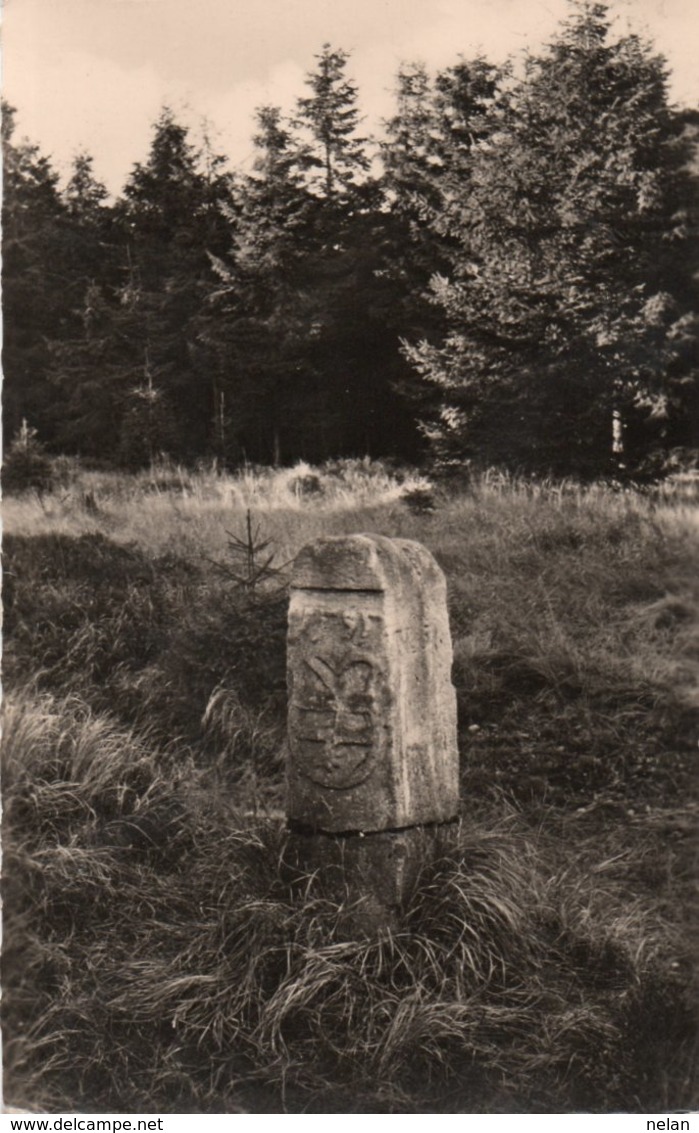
[160,958]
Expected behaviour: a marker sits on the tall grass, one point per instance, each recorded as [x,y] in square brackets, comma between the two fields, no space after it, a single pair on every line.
[169,508]
[159,959]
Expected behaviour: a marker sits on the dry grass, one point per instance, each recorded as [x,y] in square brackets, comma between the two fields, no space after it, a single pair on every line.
[170,509]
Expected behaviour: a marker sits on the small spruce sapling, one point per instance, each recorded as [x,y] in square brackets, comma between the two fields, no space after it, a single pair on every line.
[252,566]
[26,465]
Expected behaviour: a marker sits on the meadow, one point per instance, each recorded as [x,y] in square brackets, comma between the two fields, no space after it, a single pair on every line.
[156,958]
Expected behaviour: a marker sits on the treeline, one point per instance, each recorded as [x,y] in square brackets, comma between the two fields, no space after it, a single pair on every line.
[509,277]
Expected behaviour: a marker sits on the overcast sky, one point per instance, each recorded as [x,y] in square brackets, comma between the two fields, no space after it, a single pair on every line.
[93,74]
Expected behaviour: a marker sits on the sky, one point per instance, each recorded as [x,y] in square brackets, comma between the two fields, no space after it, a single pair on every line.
[93,74]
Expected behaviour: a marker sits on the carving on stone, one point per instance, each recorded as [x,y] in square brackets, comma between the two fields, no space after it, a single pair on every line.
[372,711]
[334,711]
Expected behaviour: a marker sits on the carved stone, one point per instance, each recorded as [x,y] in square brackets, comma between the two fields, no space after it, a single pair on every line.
[372,711]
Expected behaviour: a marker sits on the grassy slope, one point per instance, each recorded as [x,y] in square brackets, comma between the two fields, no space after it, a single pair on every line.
[168,960]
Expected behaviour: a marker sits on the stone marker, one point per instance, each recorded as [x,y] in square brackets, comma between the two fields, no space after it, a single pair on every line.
[373,762]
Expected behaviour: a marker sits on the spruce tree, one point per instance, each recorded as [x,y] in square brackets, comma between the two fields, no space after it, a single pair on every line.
[559,293]
[81,359]
[132,378]
[331,116]
[90,235]
[36,280]
[256,321]
[298,334]
[426,158]
[355,345]
[84,195]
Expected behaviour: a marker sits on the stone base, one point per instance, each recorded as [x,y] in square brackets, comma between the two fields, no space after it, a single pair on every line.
[371,876]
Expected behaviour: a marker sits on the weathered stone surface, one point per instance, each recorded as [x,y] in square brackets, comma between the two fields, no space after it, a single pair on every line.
[372,711]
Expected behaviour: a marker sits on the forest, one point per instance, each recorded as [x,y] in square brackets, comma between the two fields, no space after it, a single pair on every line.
[508,277]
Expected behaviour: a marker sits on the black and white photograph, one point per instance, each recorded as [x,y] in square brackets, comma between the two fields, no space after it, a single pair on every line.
[350,574]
